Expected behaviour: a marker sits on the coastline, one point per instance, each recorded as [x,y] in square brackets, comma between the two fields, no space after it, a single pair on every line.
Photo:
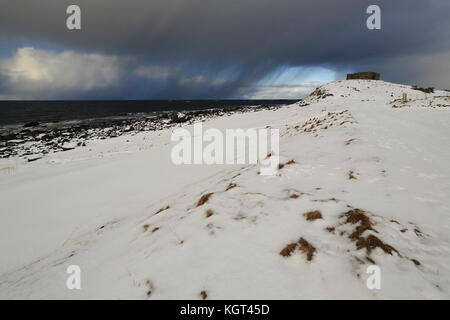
[34,140]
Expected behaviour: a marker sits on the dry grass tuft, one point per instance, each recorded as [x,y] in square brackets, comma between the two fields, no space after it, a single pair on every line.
[330,229]
[155,229]
[358,216]
[351,175]
[230,186]
[287,251]
[204,295]
[282,165]
[303,245]
[313,215]
[145,227]
[371,242]
[209,213]
[307,249]
[416,262]
[204,198]
[294,196]
[162,209]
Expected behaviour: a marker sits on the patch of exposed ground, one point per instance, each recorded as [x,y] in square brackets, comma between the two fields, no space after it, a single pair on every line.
[428,102]
[204,199]
[230,186]
[364,223]
[330,119]
[282,165]
[351,175]
[302,245]
[209,213]
[313,215]
[203,295]
[162,209]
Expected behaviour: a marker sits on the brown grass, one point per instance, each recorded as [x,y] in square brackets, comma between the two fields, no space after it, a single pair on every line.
[303,245]
[287,251]
[370,260]
[313,215]
[204,198]
[294,196]
[371,242]
[155,229]
[204,295]
[416,262]
[145,227]
[162,209]
[358,216]
[230,186]
[209,213]
[330,229]
[282,165]
[351,175]
[307,249]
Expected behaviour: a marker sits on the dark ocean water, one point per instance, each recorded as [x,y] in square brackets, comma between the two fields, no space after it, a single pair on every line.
[20,112]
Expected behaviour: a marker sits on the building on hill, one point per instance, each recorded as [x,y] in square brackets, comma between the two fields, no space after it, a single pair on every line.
[364,76]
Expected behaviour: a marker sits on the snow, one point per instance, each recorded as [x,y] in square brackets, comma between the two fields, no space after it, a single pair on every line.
[95,207]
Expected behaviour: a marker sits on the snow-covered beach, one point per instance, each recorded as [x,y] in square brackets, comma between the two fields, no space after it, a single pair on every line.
[364,180]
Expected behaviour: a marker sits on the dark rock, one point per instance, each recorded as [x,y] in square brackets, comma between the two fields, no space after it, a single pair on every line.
[31,124]
[426,90]
[178,117]
[31,159]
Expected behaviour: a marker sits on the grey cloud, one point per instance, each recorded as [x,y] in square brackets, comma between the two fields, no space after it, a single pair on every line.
[244,39]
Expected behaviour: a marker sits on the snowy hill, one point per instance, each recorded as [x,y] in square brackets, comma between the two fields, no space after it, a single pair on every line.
[365,181]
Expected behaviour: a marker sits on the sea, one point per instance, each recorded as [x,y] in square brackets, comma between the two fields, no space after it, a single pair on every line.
[14,113]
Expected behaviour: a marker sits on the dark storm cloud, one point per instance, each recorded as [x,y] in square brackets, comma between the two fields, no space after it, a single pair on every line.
[239,41]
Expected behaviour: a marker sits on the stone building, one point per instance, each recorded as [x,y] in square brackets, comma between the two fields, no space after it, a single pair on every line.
[364,76]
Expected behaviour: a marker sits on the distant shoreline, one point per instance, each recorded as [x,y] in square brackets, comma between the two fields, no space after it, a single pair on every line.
[21,112]
[34,140]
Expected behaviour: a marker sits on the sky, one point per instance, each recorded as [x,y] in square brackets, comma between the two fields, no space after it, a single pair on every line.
[215,49]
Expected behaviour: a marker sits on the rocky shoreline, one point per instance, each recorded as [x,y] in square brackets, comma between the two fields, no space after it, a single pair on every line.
[33,140]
